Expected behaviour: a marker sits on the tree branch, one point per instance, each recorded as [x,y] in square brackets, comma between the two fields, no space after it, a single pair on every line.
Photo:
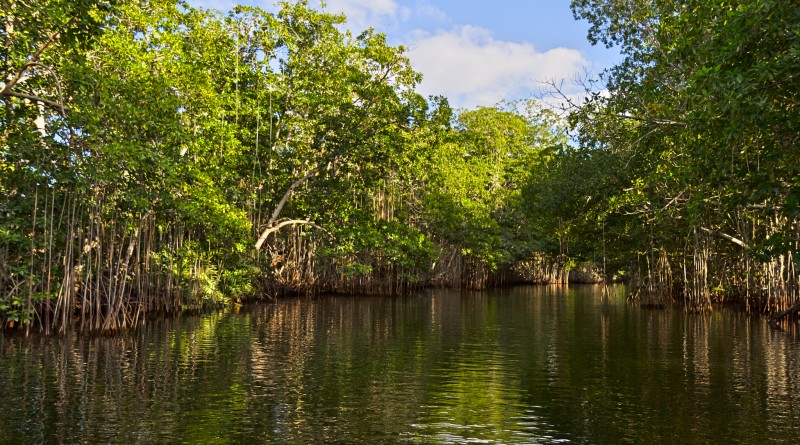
[727,237]
[275,228]
[35,99]
[271,227]
[289,193]
[34,58]
[789,311]
[653,121]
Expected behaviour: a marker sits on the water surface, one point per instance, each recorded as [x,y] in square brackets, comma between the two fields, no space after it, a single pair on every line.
[533,365]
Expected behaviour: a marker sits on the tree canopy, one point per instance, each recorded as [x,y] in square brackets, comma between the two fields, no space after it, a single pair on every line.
[156,156]
[702,113]
[159,157]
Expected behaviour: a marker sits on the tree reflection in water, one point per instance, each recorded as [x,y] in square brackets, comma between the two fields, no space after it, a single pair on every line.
[521,365]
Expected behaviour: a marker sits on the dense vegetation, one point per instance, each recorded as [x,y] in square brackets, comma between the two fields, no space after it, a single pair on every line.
[157,157]
[691,163]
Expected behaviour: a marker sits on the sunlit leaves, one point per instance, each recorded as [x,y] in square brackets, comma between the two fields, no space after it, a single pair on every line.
[475,199]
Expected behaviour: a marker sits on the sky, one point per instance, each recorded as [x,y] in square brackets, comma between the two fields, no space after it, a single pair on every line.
[476,52]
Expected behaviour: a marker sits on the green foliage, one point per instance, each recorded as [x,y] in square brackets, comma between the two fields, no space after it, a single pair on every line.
[146,146]
[474,197]
[701,120]
[709,93]
[153,141]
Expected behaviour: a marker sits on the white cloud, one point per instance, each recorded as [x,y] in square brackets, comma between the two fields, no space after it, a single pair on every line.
[220,5]
[467,64]
[376,7]
[472,68]
[424,9]
[362,14]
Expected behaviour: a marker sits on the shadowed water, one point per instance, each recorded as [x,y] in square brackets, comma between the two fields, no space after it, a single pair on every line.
[533,365]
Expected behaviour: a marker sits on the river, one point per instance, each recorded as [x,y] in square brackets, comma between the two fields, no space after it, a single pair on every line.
[532,365]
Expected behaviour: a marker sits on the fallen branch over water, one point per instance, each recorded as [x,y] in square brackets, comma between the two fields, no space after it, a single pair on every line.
[793,309]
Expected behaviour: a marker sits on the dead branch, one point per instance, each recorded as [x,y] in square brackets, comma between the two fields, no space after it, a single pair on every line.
[276,227]
[727,237]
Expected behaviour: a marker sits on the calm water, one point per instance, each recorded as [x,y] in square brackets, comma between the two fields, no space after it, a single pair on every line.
[524,365]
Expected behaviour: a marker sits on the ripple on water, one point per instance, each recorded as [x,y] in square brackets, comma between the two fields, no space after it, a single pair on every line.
[521,367]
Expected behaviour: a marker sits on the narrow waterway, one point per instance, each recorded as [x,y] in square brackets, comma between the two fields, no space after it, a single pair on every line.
[522,365]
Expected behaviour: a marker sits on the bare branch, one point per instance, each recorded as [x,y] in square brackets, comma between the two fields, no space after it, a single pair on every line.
[277,212]
[275,228]
[727,237]
[675,199]
[271,227]
[653,121]
[789,311]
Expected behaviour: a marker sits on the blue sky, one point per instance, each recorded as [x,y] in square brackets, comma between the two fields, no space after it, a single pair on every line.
[479,52]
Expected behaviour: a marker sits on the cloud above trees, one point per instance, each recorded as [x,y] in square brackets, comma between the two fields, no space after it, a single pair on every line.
[363,14]
[471,67]
[465,63]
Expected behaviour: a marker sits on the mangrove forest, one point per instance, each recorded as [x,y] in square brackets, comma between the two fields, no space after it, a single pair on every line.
[157,157]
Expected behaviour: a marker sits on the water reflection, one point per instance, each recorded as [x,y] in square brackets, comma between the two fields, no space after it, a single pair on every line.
[522,365]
